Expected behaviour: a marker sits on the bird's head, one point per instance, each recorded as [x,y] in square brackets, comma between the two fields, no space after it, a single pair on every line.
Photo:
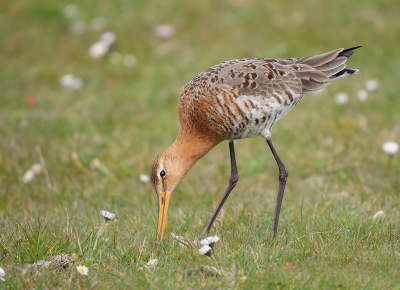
[167,171]
[171,166]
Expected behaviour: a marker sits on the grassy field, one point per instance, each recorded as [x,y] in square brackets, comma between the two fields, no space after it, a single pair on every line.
[339,175]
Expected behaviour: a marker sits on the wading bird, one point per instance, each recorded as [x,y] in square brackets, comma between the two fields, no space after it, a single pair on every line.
[239,99]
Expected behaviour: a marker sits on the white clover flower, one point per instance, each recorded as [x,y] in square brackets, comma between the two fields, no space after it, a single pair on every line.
[108,38]
[71,11]
[98,23]
[341,98]
[372,85]
[153,262]
[82,269]
[390,147]
[210,241]
[98,50]
[2,274]
[107,215]
[165,31]
[77,27]
[31,173]
[205,250]
[378,214]
[362,95]
[144,178]
[129,60]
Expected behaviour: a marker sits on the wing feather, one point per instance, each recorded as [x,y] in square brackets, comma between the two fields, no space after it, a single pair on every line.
[269,77]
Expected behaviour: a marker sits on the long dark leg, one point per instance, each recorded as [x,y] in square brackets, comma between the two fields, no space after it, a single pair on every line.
[283,174]
[232,182]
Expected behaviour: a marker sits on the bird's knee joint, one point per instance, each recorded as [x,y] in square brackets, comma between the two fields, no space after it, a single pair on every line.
[234,179]
[283,175]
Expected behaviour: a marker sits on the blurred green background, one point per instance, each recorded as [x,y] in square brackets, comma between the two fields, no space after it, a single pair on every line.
[125,113]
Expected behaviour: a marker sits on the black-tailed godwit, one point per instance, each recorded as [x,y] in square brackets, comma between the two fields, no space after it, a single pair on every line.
[236,99]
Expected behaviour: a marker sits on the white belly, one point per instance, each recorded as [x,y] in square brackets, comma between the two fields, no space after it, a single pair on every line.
[268,109]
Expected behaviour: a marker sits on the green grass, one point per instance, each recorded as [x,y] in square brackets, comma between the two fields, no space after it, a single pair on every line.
[339,176]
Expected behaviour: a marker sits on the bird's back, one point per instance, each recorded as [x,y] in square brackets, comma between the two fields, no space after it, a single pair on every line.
[244,98]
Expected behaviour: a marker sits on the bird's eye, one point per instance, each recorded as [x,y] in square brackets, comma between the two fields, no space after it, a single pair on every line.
[162,173]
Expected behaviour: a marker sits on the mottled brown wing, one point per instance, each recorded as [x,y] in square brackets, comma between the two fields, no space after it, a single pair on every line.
[256,77]
[267,77]
[230,96]
[260,77]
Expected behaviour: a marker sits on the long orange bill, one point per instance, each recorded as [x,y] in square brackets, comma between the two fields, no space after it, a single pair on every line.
[163,202]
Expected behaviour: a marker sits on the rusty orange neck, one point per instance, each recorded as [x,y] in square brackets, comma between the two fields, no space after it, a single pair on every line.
[177,160]
[189,147]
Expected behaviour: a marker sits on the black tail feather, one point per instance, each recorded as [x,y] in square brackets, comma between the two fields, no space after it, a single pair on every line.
[349,71]
[348,52]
